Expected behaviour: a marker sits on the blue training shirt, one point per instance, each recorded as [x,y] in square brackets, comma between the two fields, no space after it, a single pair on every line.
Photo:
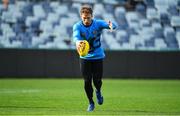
[92,34]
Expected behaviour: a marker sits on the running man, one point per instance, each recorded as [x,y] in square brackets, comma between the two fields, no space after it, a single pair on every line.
[91,65]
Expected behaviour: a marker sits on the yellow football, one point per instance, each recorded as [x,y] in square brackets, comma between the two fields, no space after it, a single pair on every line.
[82,47]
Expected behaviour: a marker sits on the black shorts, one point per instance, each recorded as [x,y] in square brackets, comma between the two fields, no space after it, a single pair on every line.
[91,68]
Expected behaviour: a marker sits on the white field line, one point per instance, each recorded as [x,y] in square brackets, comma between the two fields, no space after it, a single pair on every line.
[20,91]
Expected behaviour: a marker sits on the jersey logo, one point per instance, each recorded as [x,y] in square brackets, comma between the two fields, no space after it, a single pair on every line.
[94,32]
[83,35]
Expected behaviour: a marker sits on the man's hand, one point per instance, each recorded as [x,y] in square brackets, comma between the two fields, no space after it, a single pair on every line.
[80,46]
[110,25]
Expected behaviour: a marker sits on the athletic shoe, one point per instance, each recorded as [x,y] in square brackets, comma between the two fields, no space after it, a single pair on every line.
[90,107]
[99,97]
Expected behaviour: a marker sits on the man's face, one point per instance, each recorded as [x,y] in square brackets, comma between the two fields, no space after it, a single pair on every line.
[86,17]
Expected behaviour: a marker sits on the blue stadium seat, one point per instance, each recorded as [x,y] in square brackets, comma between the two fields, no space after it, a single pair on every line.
[127,46]
[1,32]
[46,7]
[61,10]
[132,31]
[161,5]
[38,11]
[53,18]
[144,23]
[85,1]
[158,30]
[120,15]
[149,3]
[136,41]
[170,38]
[152,14]
[132,16]
[98,9]
[17,28]
[122,36]
[111,2]
[164,18]
[27,10]
[149,43]
[178,38]
[175,21]
[109,8]
[76,7]
[140,8]
[160,44]
[172,10]
[178,5]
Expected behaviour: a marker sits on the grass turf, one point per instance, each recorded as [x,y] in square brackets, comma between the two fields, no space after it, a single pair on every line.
[67,97]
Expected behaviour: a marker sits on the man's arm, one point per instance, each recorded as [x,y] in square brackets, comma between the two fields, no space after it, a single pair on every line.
[76,33]
[76,37]
[107,25]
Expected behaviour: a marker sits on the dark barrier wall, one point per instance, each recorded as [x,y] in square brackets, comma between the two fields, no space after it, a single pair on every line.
[65,63]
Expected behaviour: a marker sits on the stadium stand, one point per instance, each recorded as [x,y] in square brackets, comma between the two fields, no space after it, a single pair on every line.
[151,25]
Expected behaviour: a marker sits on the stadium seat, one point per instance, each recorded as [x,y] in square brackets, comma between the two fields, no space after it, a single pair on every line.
[149,44]
[132,31]
[172,10]
[140,8]
[60,31]
[161,5]
[160,44]
[158,30]
[132,17]
[61,9]
[175,21]
[112,43]
[38,11]
[144,23]
[98,9]
[108,16]
[110,1]
[46,7]
[172,2]
[164,18]
[122,36]
[60,44]
[169,31]
[136,41]
[52,18]
[134,25]
[178,5]
[149,3]
[109,8]
[120,15]
[127,46]
[152,14]
[178,38]
[1,32]
[170,38]
[120,11]
[76,7]
[36,41]
[85,1]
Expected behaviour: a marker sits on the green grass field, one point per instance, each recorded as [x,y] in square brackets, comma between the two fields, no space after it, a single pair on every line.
[67,97]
